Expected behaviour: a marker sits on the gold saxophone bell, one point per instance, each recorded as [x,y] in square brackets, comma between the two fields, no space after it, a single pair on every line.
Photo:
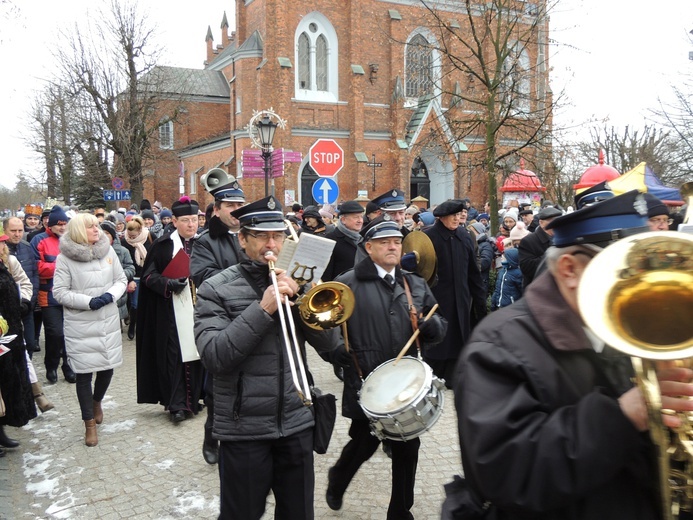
[326,305]
[620,289]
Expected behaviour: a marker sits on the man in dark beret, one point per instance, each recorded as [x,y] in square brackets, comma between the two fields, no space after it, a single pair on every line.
[459,290]
[551,424]
[168,368]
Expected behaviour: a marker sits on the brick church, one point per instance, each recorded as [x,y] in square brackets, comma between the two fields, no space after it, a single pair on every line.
[364,73]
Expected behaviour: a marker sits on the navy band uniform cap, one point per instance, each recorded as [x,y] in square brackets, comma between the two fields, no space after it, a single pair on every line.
[262,215]
[392,200]
[603,223]
[231,192]
[383,229]
[597,193]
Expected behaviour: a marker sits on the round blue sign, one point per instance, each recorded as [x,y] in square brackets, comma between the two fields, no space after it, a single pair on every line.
[325,191]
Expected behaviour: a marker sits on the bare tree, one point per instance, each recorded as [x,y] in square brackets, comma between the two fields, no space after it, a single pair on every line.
[624,149]
[496,62]
[677,118]
[107,61]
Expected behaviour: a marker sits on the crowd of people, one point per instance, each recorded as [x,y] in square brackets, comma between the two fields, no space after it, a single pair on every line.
[550,423]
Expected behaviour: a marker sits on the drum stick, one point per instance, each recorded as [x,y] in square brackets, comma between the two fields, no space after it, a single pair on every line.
[413,336]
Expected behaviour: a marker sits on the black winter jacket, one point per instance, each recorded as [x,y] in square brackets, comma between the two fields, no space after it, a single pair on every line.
[380,325]
[241,345]
[213,251]
[541,431]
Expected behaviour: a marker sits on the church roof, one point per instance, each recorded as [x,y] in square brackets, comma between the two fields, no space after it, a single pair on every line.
[187,82]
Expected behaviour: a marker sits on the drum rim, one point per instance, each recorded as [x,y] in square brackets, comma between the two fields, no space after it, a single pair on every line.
[424,390]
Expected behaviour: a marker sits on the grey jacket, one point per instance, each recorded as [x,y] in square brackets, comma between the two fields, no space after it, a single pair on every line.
[241,345]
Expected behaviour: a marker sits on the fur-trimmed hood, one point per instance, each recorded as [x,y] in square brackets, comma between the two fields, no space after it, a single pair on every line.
[84,253]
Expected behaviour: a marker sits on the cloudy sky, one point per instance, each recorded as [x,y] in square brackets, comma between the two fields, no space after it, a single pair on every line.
[615,59]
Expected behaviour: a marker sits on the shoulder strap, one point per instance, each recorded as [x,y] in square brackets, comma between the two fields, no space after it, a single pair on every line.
[412,313]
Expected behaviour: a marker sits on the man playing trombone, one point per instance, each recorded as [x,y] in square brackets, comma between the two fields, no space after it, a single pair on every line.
[261,417]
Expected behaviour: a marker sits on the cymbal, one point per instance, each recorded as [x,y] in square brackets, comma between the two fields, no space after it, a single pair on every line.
[426,261]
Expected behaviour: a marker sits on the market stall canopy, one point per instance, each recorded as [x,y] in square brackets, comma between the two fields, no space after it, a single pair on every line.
[595,174]
[643,179]
[522,180]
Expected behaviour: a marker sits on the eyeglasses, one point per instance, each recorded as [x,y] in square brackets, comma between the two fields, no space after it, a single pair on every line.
[266,237]
[186,221]
[667,221]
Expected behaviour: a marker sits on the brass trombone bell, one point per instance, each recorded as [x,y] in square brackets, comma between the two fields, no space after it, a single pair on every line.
[637,295]
[326,305]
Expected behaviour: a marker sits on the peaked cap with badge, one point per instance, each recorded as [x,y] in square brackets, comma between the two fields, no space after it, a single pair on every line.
[230,192]
[392,200]
[602,223]
[597,193]
[262,215]
[381,227]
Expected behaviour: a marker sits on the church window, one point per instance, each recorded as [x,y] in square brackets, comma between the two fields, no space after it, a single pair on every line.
[316,56]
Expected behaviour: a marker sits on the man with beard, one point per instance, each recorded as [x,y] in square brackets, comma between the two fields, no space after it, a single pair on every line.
[264,427]
[162,375]
[46,248]
[460,288]
[214,250]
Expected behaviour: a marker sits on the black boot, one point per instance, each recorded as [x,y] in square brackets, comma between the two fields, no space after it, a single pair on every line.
[133,322]
[69,374]
[5,441]
[210,448]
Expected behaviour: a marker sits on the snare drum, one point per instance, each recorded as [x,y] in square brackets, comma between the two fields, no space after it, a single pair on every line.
[402,401]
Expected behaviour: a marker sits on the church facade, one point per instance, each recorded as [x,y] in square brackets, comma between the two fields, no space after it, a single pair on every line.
[371,75]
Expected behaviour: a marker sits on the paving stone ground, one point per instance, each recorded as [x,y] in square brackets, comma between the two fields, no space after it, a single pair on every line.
[146,467]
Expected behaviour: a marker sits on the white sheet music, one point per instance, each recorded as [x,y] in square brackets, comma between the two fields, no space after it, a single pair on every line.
[307,260]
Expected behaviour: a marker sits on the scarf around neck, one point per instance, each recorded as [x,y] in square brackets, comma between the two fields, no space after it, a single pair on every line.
[353,236]
[138,244]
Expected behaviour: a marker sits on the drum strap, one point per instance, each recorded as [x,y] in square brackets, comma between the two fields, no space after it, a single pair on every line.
[412,313]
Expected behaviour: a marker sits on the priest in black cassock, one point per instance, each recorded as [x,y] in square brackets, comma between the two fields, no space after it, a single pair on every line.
[164,315]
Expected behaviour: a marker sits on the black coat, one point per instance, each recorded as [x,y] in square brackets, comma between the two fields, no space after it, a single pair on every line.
[532,249]
[460,289]
[213,251]
[380,325]
[156,336]
[542,435]
[343,255]
[14,376]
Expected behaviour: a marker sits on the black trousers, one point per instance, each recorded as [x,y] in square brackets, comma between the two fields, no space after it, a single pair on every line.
[86,397]
[249,469]
[405,457]
[55,339]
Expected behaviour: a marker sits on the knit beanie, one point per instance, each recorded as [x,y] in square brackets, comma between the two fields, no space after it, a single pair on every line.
[519,231]
[147,213]
[56,216]
[109,228]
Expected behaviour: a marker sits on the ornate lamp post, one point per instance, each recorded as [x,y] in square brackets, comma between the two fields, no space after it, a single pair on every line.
[266,128]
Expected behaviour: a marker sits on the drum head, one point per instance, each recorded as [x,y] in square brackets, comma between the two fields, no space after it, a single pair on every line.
[389,388]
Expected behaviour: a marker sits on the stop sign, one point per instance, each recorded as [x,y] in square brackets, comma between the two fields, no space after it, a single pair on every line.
[326,157]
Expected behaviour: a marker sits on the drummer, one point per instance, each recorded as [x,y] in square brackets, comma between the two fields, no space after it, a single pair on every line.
[379,327]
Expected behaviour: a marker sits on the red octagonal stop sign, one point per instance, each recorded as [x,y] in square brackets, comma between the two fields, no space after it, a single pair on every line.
[326,157]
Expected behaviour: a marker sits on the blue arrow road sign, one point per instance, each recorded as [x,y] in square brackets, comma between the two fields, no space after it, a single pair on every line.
[108,195]
[325,191]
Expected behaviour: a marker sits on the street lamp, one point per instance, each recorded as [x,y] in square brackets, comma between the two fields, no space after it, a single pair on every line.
[266,128]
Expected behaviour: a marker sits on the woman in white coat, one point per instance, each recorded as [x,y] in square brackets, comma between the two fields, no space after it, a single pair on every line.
[88,281]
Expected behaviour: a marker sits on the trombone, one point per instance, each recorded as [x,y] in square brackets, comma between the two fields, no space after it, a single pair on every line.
[323,307]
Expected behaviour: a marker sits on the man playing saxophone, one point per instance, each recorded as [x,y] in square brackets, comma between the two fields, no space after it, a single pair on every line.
[551,425]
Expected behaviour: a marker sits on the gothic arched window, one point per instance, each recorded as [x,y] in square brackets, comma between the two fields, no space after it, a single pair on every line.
[316,59]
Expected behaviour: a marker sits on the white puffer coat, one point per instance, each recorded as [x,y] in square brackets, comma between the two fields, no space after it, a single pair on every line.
[92,338]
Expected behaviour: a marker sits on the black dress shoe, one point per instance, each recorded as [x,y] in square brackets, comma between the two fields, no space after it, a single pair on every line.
[339,372]
[210,450]
[5,441]
[334,501]
[69,374]
[52,376]
[178,416]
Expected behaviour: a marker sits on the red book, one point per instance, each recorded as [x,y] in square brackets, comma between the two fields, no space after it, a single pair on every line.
[178,267]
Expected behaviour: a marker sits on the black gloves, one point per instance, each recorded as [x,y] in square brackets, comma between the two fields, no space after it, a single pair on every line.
[99,301]
[339,357]
[25,307]
[176,285]
[427,330]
